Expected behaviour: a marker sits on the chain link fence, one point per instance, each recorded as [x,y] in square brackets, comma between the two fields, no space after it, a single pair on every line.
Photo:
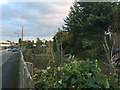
[26,80]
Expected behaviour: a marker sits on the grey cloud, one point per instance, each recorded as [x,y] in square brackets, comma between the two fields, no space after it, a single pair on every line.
[36,15]
[38,19]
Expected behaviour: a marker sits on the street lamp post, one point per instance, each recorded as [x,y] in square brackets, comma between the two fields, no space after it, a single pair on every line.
[18,36]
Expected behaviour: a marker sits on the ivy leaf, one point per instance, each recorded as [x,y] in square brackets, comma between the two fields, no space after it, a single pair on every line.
[107,84]
[65,85]
[69,57]
[65,78]
[73,81]
[79,80]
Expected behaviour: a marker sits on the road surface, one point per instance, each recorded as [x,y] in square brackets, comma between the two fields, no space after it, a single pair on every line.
[8,68]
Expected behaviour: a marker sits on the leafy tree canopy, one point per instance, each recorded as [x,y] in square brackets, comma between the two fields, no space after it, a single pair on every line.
[86,24]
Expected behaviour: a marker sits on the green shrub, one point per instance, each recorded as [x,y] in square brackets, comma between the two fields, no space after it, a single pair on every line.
[74,74]
[85,74]
[45,78]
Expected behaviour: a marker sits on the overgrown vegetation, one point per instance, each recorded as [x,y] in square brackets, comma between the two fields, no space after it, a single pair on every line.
[38,57]
[83,35]
[71,73]
[75,74]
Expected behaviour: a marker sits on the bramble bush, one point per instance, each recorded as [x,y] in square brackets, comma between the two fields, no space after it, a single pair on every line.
[38,56]
[44,78]
[75,74]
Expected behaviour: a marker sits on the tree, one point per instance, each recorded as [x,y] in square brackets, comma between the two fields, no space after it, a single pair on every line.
[86,24]
[38,42]
[46,42]
[32,41]
[8,41]
[25,43]
[20,41]
[58,38]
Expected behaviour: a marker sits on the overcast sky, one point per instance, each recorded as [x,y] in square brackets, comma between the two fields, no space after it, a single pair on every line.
[39,19]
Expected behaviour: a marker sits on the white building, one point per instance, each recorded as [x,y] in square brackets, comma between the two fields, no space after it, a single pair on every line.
[4,45]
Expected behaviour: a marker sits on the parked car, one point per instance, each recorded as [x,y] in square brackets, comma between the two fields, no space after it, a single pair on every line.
[18,49]
[9,49]
[14,50]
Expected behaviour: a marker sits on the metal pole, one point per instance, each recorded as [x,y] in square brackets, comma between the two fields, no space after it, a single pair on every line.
[18,36]
[22,38]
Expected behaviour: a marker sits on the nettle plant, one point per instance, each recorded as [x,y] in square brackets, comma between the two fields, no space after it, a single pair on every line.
[85,74]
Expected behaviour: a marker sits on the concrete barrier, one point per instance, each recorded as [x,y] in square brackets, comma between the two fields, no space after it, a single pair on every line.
[26,80]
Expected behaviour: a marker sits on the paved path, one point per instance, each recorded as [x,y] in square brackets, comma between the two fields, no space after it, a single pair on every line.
[5,55]
[9,69]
